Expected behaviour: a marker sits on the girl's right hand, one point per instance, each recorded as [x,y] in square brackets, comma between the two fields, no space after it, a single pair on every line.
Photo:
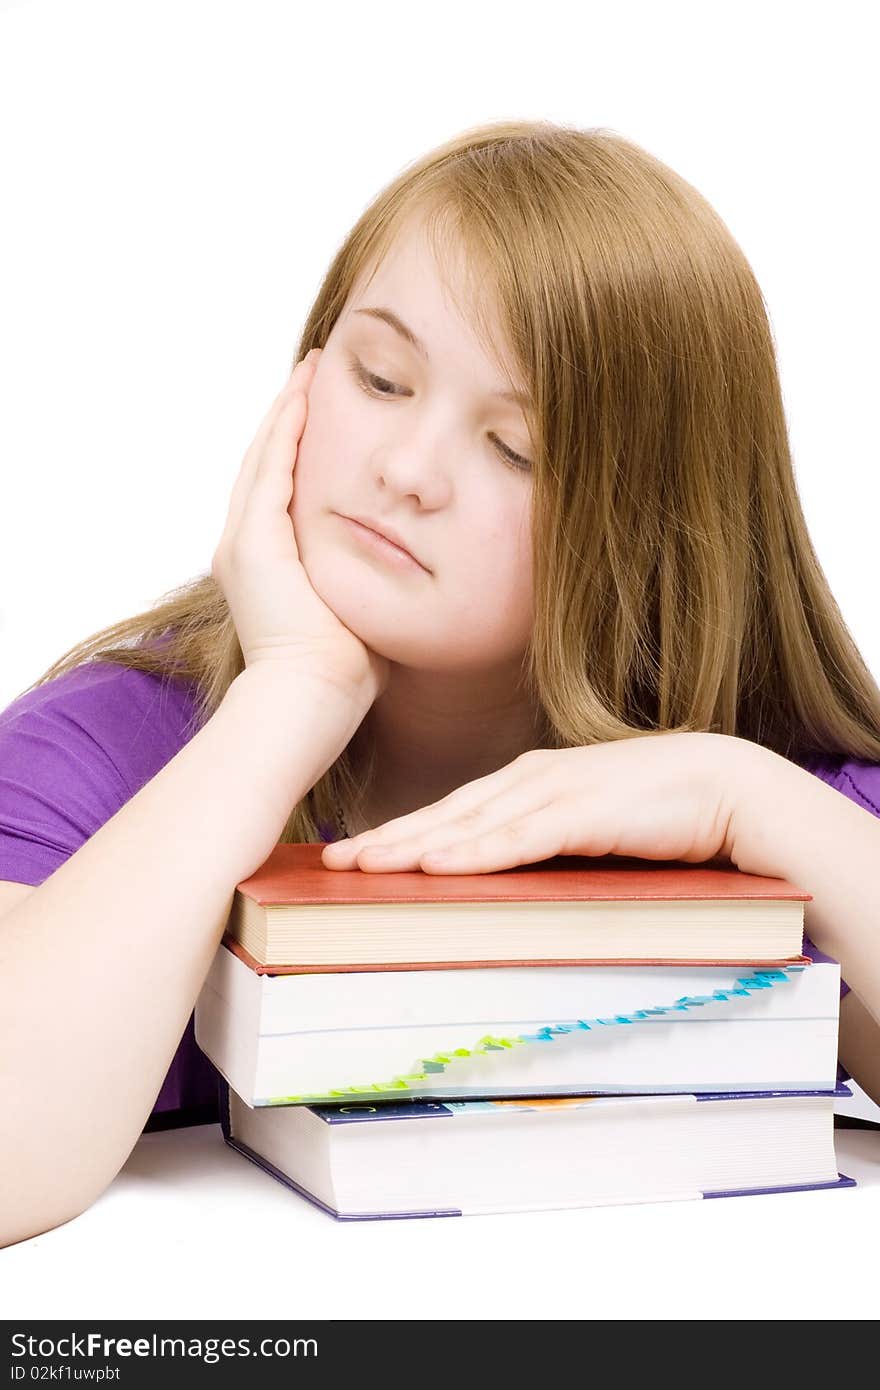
[278,616]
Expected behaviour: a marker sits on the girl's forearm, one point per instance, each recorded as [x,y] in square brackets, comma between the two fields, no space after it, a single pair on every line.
[100,965]
[788,823]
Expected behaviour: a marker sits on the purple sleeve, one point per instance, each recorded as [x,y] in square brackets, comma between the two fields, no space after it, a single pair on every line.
[860,781]
[72,752]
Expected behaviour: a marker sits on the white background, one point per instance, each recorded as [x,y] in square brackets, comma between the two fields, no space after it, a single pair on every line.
[176,177]
[190,1228]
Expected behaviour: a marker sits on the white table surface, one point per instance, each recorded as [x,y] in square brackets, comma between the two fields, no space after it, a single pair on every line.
[190,1229]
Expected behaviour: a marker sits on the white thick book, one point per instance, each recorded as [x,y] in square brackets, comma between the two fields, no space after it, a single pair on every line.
[452,1158]
[292,1039]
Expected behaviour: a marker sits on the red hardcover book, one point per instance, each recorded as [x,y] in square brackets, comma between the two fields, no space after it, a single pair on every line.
[295,915]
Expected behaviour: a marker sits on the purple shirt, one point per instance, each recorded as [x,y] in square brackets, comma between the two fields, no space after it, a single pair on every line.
[74,750]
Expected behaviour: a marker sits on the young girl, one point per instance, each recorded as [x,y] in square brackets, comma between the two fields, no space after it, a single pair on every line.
[541,368]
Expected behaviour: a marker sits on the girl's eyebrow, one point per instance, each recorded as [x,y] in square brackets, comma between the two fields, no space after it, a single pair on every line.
[394,321]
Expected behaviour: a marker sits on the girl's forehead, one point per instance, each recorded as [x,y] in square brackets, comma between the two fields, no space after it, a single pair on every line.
[427,250]
[421,277]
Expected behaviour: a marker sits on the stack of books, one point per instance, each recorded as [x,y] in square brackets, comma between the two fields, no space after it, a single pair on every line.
[576,1032]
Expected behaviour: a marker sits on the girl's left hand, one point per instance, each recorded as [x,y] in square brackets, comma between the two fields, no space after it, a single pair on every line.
[653,796]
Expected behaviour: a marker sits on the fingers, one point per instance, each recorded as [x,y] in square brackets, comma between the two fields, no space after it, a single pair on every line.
[277,435]
[468,800]
[534,832]
[470,813]
[272,484]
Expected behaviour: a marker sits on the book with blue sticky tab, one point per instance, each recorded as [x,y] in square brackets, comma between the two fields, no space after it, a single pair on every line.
[289,1039]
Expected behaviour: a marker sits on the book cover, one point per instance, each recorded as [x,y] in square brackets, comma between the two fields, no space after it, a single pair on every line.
[636,963]
[293,875]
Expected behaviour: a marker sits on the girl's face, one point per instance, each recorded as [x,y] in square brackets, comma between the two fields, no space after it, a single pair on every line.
[419,442]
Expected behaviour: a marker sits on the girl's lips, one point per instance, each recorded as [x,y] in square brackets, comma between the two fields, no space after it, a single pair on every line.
[384,549]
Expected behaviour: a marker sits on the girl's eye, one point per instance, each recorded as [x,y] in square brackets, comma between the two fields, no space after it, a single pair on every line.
[515,460]
[373,385]
[377,386]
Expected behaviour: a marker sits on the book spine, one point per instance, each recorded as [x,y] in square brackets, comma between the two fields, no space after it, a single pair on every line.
[840,1181]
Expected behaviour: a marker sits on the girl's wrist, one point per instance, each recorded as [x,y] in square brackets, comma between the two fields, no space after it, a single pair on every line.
[762,788]
[788,823]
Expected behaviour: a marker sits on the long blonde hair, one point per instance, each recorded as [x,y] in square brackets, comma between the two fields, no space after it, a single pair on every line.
[675,583]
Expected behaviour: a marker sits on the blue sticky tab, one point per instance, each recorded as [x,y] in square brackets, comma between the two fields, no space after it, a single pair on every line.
[746,984]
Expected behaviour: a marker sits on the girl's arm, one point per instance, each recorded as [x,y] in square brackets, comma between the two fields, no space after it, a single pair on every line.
[101,964]
[790,824]
[676,795]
